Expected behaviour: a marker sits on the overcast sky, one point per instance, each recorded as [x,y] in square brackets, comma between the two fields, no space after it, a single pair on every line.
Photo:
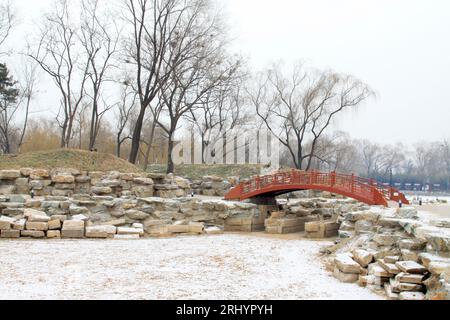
[401,48]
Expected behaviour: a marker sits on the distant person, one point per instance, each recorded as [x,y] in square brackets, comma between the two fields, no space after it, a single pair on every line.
[32,194]
[420,202]
[400,204]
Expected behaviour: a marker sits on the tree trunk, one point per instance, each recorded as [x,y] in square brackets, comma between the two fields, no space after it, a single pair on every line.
[170,164]
[150,144]
[119,146]
[136,139]
[92,133]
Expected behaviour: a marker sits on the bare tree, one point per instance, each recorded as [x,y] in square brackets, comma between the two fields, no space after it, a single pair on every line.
[153,25]
[7,19]
[370,156]
[337,153]
[221,110]
[299,108]
[100,38]
[197,66]
[59,57]
[28,91]
[124,115]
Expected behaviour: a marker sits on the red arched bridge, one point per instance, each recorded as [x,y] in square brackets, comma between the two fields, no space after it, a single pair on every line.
[364,190]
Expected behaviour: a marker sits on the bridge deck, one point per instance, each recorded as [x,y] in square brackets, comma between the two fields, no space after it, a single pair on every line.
[364,190]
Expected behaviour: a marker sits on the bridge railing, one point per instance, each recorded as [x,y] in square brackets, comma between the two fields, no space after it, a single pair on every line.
[362,187]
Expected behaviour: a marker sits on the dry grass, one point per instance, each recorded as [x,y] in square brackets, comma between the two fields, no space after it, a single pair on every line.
[196,172]
[77,159]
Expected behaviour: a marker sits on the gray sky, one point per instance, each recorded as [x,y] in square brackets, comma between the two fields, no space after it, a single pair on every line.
[401,48]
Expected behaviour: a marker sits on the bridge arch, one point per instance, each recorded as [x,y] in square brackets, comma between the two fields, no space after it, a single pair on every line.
[364,190]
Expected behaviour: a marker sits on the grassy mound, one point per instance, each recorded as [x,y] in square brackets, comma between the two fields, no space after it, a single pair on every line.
[67,158]
[196,172]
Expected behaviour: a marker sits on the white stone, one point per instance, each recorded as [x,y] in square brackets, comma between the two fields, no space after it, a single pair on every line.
[80,217]
[73,225]
[128,231]
[411,267]
[346,264]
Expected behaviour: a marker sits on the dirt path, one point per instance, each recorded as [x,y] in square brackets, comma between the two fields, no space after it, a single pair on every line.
[230,266]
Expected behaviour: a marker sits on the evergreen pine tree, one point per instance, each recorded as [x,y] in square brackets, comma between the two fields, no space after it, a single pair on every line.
[8,99]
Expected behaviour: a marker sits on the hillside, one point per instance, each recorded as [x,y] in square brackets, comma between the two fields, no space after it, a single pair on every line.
[77,159]
[196,172]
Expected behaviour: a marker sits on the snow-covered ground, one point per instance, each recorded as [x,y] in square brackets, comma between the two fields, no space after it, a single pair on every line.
[230,266]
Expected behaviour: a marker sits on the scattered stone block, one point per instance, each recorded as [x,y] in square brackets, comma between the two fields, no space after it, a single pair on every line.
[389,267]
[408,255]
[97,232]
[385,239]
[59,217]
[35,215]
[412,244]
[389,293]
[38,218]
[345,277]
[363,257]
[213,231]
[391,259]
[427,258]
[128,231]
[54,225]
[10,234]
[63,179]
[439,268]
[179,229]
[72,234]
[19,224]
[346,264]
[398,286]
[9,174]
[410,278]
[54,234]
[36,226]
[116,223]
[196,227]
[73,225]
[411,267]
[101,190]
[136,215]
[376,270]
[39,174]
[32,234]
[80,217]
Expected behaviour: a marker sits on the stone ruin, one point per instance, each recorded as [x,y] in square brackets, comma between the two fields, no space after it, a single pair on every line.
[391,250]
[386,250]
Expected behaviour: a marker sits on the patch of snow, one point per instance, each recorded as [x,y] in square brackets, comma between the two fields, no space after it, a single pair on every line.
[230,266]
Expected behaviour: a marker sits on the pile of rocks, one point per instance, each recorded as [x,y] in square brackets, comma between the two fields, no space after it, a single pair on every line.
[284,223]
[66,182]
[391,249]
[321,229]
[37,224]
[316,216]
[213,186]
[127,215]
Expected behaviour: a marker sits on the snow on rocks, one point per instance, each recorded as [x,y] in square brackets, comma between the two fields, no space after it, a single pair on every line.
[406,256]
